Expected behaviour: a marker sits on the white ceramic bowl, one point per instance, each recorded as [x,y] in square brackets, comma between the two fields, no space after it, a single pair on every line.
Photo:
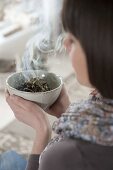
[44,99]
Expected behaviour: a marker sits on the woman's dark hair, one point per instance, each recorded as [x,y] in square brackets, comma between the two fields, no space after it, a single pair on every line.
[91,22]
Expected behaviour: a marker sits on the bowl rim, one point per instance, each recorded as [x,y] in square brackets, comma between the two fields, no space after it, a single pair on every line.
[34,93]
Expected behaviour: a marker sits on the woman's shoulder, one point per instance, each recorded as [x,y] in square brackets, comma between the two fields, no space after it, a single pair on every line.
[62,155]
[66,146]
[71,154]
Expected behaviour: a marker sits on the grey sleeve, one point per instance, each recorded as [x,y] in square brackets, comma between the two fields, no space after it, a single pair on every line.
[62,156]
[33,162]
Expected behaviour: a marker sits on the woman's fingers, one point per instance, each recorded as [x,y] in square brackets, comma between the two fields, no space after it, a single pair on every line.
[21,113]
[60,105]
[21,102]
[30,114]
[19,105]
[15,106]
[18,101]
[11,100]
[17,110]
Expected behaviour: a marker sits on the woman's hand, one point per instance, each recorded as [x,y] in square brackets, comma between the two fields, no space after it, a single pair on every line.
[32,115]
[60,105]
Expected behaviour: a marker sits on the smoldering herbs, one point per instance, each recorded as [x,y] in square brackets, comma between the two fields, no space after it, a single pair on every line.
[35,85]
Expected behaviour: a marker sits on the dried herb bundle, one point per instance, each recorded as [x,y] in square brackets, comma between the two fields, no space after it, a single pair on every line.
[35,85]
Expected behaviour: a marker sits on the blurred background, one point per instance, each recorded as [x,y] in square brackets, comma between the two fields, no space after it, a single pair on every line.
[31,37]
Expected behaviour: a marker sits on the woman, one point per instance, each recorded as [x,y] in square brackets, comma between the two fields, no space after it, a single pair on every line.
[85,129]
